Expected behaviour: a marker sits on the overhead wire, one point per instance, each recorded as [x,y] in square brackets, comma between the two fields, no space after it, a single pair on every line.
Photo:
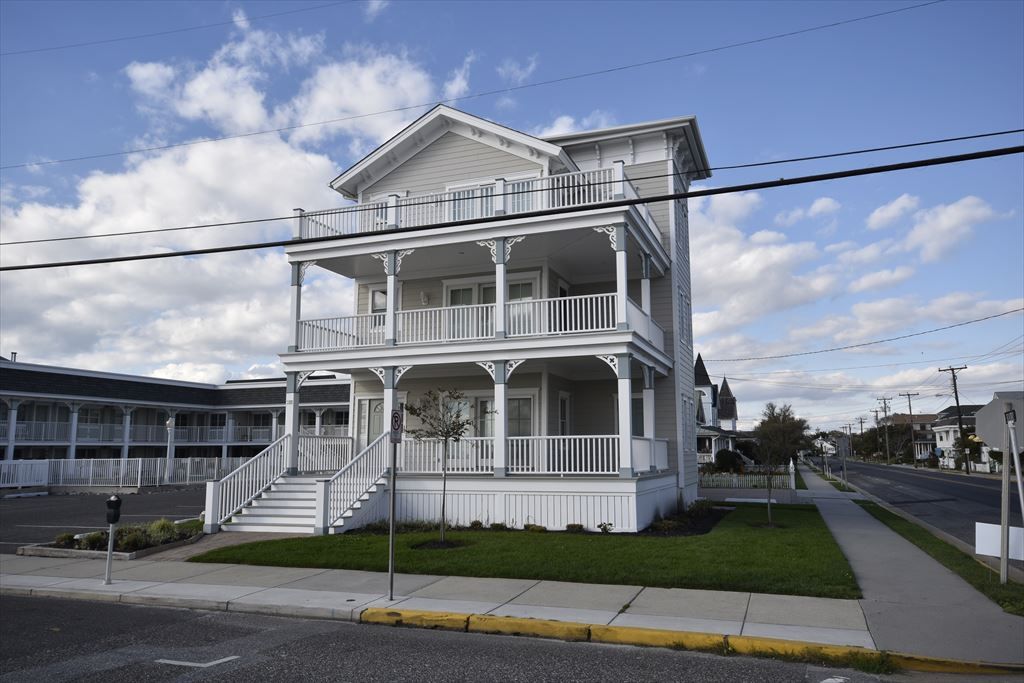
[486,93]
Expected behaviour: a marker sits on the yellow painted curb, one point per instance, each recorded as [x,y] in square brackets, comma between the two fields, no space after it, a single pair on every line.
[631,635]
[521,626]
[754,645]
[410,617]
[932,665]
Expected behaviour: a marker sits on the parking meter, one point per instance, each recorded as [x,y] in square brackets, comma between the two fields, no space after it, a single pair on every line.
[113,509]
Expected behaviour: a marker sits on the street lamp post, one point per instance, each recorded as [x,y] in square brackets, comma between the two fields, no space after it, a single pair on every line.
[169,464]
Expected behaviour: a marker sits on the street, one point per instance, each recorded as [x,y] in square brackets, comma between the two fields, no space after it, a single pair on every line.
[59,640]
[950,502]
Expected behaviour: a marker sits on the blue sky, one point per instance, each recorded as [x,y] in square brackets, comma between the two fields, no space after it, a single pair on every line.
[778,271]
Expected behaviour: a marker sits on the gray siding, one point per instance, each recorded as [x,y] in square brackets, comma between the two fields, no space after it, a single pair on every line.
[451,158]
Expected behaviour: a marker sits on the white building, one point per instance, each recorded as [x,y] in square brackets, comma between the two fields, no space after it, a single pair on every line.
[488,261]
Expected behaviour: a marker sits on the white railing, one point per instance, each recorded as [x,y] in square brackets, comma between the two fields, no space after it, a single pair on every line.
[100,432]
[238,488]
[3,431]
[565,315]
[520,196]
[149,433]
[324,453]
[563,455]
[349,220]
[346,487]
[340,333]
[325,430]
[452,323]
[755,480]
[644,325]
[42,431]
[199,434]
[650,454]
[17,473]
[467,455]
[249,434]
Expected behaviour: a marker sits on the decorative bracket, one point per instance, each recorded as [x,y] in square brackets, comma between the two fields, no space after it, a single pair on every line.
[379,372]
[510,367]
[301,377]
[383,259]
[303,267]
[399,371]
[612,361]
[509,241]
[610,231]
[399,255]
[487,365]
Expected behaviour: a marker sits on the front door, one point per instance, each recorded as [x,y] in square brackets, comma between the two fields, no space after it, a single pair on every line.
[371,421]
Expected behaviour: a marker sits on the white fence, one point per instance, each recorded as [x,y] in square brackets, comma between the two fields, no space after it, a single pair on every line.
[467,455]
[563,455]
[114,472]
[746,481]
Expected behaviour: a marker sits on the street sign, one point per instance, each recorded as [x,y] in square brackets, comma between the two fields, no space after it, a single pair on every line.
[396,426]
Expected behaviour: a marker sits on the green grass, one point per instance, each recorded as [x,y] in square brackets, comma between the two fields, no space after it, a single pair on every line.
[1009,596]
[798,557]
[840,486]
[800,480]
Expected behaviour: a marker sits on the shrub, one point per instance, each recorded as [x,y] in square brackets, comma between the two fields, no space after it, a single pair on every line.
[162,531]
[574,528]
[135,539]
[663,526]
[606,527]
[498,526]
[97,540]
[190,528]
[728,461]
[64,540]
[476,525]
[535,528]
[699,509]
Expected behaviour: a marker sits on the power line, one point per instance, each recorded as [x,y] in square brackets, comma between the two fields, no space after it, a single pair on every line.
[168,32]
[618,203]
[355,208]
[485,93]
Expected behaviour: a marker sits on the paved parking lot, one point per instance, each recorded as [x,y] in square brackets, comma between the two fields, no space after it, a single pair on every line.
[39,519]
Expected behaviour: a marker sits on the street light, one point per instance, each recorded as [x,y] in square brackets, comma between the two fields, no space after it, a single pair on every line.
[168,465]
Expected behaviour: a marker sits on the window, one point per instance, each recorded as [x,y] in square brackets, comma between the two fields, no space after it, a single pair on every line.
[485,417]
[378,301]
[563,414]
[637,405]
[520,417]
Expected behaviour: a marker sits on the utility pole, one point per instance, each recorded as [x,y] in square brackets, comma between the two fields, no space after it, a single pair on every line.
[878,446]
[910,409]
[959,415]
[885,412]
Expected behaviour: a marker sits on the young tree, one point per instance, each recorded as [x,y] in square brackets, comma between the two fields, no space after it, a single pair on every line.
[780,434]
[441,417]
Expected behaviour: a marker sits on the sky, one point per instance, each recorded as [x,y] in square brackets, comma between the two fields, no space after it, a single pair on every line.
[775,272]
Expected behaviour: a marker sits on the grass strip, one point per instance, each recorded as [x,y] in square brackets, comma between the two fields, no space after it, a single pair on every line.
[840,486]
[800,480]
[1009,596]
[797,557]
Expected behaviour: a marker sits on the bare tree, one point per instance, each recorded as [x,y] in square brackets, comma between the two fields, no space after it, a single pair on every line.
[780,434]
[441,417]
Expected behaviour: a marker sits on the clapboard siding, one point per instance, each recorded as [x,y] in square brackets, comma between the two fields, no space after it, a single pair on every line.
[451,158]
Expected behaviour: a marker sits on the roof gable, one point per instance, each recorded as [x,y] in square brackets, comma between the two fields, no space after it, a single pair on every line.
[700,373]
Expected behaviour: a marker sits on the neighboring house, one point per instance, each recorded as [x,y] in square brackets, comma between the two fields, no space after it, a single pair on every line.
[716,414]
[569,333]
[991,425]
[946,429]
[49,412]
[824,446]
[902,425]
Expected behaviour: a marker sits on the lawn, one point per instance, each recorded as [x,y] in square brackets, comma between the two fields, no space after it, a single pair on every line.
[840,486]
[798,557]
[1010,596]
[800,480]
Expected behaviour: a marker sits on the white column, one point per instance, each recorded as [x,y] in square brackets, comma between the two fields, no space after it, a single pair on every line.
[625,389]
[296,307]
[291,420]
[126,428]
[645,284]
[12,427]
[319,420]
[500,201]
[391,270]
[500,419]
[500,288]
[298,224]
[73,409]
[275,426]
[621,277]
[392,211]
[169,461]
[648,399]
[619,176]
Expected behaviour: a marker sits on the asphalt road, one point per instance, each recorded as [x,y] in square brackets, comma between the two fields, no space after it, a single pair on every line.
[951,502]
[39,519]
[60,640]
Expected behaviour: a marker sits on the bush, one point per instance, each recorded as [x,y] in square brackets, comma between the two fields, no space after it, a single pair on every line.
[574,528]
[162,531]
[190,528]
[699,509]
[535,528]
[476,525]
[664,526]
[728,461]
[135,539]
[64,540]
[97,540]
[958,464]
[606,527]
[498,526]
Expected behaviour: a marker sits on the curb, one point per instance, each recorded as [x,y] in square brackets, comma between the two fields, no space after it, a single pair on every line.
[683,640]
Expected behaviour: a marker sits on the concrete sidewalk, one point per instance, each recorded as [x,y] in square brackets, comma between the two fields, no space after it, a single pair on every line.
[911,602]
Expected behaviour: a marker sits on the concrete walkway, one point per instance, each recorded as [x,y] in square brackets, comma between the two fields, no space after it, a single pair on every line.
[911,602]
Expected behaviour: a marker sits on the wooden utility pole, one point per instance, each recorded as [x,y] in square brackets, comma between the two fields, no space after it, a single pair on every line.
[959,414]
[878,446]
[910,409]
[885,412]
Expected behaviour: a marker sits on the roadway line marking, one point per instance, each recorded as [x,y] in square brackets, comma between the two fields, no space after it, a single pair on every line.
[946,478]
[196,665]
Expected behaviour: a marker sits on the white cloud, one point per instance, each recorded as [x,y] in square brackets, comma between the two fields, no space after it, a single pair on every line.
[767,237]
[241,21]
[151,79]
[374,8]
[457,84]
[516,73]
[880,279]
[869,254]
[889,213]
[568,124]
[840,247]
[938,229]
[822,206]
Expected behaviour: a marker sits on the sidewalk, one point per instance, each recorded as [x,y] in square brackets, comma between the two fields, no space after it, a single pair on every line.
[911,602]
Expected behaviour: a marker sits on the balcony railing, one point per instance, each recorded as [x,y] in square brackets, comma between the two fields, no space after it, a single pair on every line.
[325,430]
[564,315]
[200,434]
[549,192]
[342,333]
[42,431]
[149,433]
[454,323]
[100,433]
[644,325]
[248,434]
[563,455]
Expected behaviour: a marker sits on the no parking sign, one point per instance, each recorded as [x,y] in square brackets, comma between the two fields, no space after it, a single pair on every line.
[396,426]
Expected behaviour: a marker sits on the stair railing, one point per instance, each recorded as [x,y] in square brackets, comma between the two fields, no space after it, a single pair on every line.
[337,495]
[239,487]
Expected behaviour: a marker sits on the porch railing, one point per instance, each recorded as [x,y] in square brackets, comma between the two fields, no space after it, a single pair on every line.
[347,220]
[100,433]
[341,333]
[344,489]
[453,323]
[42,431]
[324,453]
[199,434]
[565,315]
[325,430]
[149,433]
[249,434]
[229,495]
[469,455]
[562,455]
[650,454]
[644,325]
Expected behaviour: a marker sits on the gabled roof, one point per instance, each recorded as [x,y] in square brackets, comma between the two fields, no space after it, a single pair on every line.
[725,391]
[428,128]
[726,402]
[700,373]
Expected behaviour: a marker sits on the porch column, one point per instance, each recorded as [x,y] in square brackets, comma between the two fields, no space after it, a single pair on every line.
[648,400]
[291,420]
[625,389]
[73,409]
[126,428]
[229,435]
[500,289]
[12,427]
[621,277]
[318,414]
[296,307]
[274,422]
[645,284]
[500,418]
[390,269]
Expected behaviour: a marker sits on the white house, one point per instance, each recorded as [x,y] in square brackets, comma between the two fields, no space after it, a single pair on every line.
[497,263]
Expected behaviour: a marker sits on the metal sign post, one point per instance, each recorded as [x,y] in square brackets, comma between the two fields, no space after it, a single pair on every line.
[396,438]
